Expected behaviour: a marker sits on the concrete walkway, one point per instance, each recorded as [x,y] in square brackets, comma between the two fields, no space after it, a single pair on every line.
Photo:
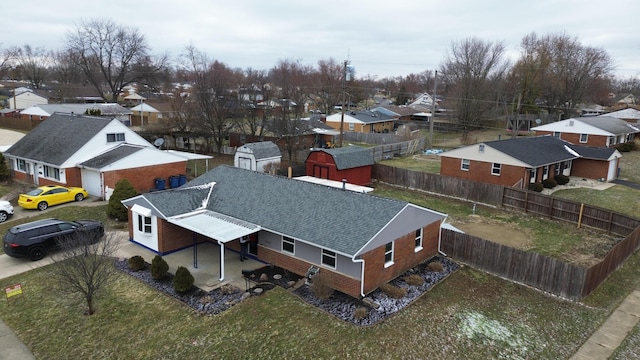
[613,331]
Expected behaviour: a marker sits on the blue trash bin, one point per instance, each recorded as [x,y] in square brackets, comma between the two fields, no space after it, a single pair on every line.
[182,179]
[174,180]
[160,183]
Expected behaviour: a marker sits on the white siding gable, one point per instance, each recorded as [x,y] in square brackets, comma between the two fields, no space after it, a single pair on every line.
[488,154]
[98,144]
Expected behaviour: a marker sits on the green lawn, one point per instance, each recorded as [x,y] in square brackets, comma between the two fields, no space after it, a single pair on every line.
[470,314]
[618,198]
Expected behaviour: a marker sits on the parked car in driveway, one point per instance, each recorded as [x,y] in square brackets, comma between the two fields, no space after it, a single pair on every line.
[35,239]
[6,210]
[48,195]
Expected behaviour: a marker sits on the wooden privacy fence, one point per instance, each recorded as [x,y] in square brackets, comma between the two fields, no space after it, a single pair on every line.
[438,184]
[542,272]
[389,151]
[569,211]
[545,273]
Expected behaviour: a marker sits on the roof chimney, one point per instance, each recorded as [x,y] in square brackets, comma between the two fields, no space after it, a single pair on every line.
[344,184]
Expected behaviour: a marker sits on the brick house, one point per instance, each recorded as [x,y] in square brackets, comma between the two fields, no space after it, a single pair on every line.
[598,131]
[352,163]
[367,121]
[519,162]
[91,152]
[358,240]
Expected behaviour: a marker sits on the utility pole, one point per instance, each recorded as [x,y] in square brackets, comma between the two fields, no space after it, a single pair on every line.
[344,78]
[433,109]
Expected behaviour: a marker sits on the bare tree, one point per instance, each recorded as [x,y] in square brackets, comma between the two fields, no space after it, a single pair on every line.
[112,56]
[34,64]
[327,84]
[6,55]
[255,95]
[470,74]
[561,72]
[213,97]
[289,77]
[84,266]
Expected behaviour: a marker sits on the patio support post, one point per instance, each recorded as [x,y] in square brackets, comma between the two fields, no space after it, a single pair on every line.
[195,251]
[221,260]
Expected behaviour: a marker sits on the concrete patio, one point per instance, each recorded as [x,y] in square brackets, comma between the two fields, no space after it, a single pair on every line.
[207,257]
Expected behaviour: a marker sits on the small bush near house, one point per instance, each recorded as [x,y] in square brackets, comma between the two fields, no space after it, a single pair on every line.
[626,147]
[183,280]
[549,183]
[123,190]
[4,169]
[159,268]
[393,292]
[537,187]
[561,179]
[360,313]
[414,280]
[435,266]
[136,263]
[320,286]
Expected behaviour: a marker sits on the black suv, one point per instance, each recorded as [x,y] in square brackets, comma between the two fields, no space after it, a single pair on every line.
[35,238]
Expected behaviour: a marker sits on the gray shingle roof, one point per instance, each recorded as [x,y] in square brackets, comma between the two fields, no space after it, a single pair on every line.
[328,217]
[111,156]
[79,109]
[610,124]
[370,116]
[350,157]
[535,150]
[592,152]
[57,138]
[263,149]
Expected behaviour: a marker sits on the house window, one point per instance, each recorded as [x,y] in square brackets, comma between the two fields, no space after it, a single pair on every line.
[557,134]
[464,165]
[115,137]
[495,169]
[611,140]
[388,254]
[51,172]
[584,138]
[21,165]
[329,258]
[352,126]
[418,242]
[557,169]
[288,245]
[144,224]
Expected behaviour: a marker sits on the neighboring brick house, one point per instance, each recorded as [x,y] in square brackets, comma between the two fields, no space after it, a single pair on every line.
[598,131]
[519,162]
[352,163]
[92,152]
[358,240]
[368,121]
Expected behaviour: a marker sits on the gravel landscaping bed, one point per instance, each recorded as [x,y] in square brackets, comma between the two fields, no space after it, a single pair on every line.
[378,304]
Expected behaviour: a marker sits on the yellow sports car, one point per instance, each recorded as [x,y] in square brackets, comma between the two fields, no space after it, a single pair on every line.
[44,196]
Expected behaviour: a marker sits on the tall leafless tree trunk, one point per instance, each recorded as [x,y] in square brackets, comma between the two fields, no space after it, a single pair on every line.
[472,71]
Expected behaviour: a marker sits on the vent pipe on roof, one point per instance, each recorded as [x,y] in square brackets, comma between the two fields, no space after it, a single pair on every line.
[344,184]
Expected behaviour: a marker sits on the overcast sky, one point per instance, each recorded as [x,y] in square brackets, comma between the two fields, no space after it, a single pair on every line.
[380,38]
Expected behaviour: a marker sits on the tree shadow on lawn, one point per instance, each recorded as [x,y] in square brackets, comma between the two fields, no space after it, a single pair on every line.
[340,305]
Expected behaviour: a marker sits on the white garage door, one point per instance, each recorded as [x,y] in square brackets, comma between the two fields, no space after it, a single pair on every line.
[91,182]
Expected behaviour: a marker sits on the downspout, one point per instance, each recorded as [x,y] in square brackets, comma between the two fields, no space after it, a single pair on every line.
[361,275]
[440,236]
[221,260]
